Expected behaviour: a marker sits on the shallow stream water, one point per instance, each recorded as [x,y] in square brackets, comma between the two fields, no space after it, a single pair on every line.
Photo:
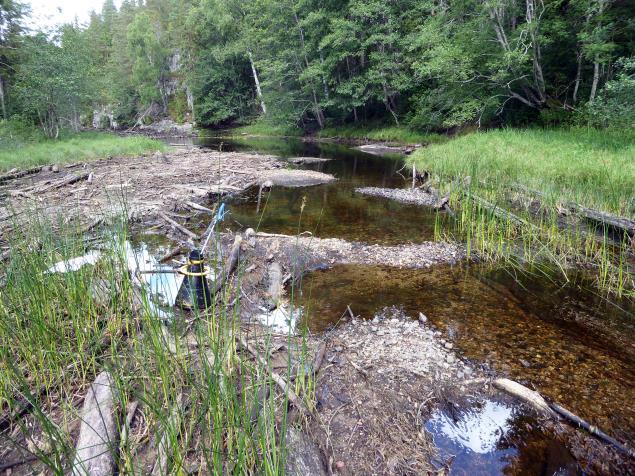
[564,340]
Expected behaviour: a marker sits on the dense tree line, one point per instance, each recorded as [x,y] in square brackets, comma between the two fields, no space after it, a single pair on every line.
[430,64]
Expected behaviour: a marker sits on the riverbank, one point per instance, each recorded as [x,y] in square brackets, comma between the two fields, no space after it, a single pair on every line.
[349,134]
[25,147]
[564,196]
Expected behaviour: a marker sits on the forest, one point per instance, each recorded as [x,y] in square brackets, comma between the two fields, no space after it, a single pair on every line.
[311,64]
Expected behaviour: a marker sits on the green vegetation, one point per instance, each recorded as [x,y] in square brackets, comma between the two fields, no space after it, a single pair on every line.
[22,146]
[400,134]
[594,168]
[315,64]
[58,330]
[263,128]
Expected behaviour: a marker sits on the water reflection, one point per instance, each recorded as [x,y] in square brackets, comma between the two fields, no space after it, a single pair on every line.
[574,347]
[496,437]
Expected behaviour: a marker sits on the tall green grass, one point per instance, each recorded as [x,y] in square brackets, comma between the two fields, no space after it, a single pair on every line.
[383,133]
[56,334]
[22,146]
[591,167]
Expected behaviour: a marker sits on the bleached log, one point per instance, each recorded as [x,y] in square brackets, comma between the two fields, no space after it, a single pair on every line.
[179,227]
[97,444]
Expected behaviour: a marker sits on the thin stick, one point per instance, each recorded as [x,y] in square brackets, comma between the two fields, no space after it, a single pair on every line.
[179,227]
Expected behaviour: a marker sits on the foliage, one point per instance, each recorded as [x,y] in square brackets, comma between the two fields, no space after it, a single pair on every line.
[615,105]
[431,65]
[400,134]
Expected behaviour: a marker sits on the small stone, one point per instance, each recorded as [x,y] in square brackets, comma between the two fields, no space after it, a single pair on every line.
[374,328]
[380,333]
[340,465]
[525,363]
[450,358]
[339,348]
[422,318]
[448,345]
[55,168]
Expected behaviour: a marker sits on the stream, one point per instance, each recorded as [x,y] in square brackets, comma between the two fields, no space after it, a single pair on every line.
[564,340]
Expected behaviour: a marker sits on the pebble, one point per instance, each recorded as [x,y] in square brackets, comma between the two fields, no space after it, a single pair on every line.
[450,358]
[422,318]
[380,333]
[374,328]
[55,168]
[448,345]
[340,465]
[338,348]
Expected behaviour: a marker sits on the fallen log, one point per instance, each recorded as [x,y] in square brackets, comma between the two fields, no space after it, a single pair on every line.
[179,227]
[11,175]
[198,207]
[551,410]
[624,224]
[497,211]
[595,431]
[96,447]
[69,180]
[523,393]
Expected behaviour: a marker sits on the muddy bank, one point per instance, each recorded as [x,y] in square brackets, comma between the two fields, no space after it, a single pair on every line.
[413,196]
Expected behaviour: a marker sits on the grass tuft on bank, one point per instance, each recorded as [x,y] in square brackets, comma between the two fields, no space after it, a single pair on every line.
[535,173]
[592,167]
[383,133]
[264,128]
[24,147]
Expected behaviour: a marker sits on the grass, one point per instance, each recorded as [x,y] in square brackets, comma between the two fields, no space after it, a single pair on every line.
[264,128]
[384,133]
[595,168]
[57,334]
[24,147]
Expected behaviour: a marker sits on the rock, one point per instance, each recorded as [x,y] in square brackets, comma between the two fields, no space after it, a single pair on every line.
[339,348]
[448,345]
[422,318]
[525,363]
[450,359]
[380,333]
[303,455]
[55,169]
[340,465]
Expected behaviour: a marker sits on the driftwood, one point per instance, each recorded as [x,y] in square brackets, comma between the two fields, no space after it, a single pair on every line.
[171,254]
[230,265]
[617,222]
[11,175]
[179,227]
[69,180]
[161,464]
[551,410]
[620,223]
[274,290]
[198,207]
[497,211]
[523,393]
[595,431]
[96,446]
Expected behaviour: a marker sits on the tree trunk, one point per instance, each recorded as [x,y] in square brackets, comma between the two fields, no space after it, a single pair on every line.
[536,55]
[596,79]
[317,109]
[578,79]
[258,90]
[2,105]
